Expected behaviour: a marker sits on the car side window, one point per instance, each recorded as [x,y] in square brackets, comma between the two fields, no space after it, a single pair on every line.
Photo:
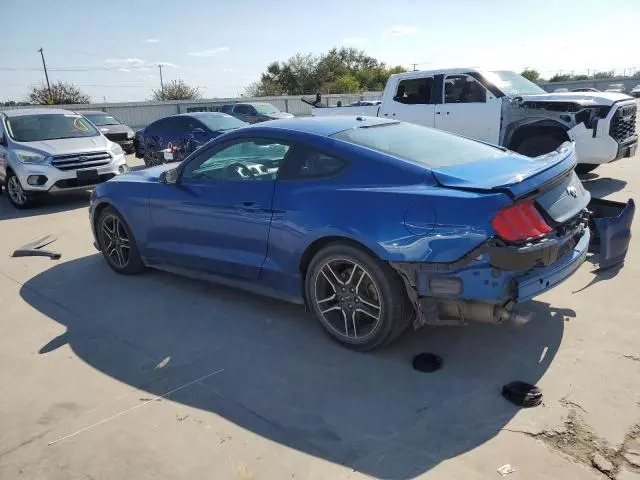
[226,108]
[240,160]
[307,163]
[463,89]
[414,91]
[241,109]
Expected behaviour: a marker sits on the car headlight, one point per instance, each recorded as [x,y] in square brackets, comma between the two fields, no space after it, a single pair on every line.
[116,149]
[25,156]
[130,135]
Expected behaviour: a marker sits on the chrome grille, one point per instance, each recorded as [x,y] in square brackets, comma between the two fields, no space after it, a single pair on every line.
[623,123]
[75,161]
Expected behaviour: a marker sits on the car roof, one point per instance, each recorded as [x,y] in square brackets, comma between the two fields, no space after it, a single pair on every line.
[321,126]
[254,103]
[201,114]
[92,112]
[37,111]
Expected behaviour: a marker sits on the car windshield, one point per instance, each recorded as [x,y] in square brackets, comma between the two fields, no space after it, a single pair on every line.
[33,128]
[100,120]
[511,83]
[265,108]
[429,147]
[217,123]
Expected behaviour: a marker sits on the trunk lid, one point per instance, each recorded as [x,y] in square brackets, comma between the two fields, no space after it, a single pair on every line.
[515,174]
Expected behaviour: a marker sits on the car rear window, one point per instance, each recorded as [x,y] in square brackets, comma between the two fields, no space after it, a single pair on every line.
[221,123]
[427,146]
[34,128]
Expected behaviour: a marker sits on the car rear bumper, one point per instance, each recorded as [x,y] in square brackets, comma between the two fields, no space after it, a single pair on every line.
[543,279]
[498,276]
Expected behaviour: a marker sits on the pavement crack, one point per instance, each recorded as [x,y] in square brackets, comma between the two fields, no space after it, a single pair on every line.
[578,440]
[25,443]
[565,402]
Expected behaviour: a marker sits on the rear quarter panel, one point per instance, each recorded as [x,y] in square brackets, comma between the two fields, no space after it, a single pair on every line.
[393,208]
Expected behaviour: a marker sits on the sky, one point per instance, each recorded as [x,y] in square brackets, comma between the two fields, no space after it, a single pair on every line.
[111,49]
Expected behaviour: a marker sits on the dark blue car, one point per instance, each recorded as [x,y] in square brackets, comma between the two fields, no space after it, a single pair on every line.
[176,130]
[372,224]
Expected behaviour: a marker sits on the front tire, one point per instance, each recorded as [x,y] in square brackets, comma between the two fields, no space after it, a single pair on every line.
[538,145]
[15,193]
[360,301]
[583,168]
[117,243]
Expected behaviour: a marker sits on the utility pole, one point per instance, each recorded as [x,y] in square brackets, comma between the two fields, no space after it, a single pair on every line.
[161,83]
[414,66]
[46,75]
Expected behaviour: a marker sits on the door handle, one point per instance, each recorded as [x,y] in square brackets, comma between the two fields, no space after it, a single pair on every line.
[437,113]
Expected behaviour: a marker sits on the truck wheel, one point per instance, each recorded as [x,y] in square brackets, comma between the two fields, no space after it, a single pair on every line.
[538,145]
[360,301]
[16,195]
[582,168]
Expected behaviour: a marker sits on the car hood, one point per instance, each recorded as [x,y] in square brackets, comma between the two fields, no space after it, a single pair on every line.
[278,115]
[65,146]
[146,175]
[107,129]
[512,172]
[582,98]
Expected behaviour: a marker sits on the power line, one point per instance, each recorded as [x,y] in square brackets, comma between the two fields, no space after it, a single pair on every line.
[79,69]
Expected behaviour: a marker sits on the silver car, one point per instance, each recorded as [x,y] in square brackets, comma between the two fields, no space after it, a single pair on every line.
[49,151]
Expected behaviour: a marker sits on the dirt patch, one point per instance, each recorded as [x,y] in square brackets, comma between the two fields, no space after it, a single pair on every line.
[578,440]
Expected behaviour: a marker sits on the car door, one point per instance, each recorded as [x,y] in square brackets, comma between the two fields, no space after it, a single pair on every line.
[216,218]
[413,101]
[469,109]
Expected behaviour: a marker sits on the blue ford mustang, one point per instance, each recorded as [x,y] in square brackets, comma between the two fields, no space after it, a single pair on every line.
[371,223]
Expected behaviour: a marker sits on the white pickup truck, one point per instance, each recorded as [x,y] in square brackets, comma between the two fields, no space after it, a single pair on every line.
[504,108]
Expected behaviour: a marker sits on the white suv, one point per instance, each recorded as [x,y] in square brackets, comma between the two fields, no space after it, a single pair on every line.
[48,151]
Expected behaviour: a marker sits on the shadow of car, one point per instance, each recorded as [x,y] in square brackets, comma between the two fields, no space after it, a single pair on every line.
[282,380]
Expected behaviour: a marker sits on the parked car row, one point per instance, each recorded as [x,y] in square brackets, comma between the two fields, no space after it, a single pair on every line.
[44,151]
[171,138]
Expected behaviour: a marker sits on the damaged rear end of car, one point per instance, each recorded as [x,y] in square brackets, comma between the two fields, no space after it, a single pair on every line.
[545,228]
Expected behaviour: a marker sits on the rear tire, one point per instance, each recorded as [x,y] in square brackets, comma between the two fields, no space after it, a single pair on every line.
[117,244]
[151,158]
[583,168]
[360,301]
[538,145]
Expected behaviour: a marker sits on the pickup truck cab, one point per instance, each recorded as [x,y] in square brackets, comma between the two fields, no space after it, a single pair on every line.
[504,108]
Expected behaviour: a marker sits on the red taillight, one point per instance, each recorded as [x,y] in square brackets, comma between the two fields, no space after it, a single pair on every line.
[519,222]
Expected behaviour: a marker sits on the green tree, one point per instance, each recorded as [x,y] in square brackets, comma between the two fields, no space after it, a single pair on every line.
[604,75]
[339,70]
[561,77]
[347,83]
[531,74]
[176,90]
[62,93]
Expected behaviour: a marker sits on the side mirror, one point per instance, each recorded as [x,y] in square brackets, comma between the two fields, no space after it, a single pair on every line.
[169,177]
[198,131]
